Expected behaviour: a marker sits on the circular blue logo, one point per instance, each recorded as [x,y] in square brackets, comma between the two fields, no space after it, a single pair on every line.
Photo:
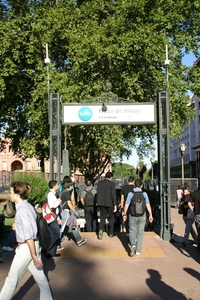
[85,113]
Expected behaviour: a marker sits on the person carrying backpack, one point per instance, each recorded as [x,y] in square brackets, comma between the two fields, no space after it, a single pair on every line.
[88,200]
[136,204]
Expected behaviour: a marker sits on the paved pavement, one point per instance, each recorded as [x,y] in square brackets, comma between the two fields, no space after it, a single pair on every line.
[102,270]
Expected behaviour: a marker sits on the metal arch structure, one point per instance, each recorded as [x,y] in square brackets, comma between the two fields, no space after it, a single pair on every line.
[165,226]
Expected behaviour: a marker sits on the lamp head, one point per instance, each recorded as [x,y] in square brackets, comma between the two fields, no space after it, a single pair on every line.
[182,148]
[104,108]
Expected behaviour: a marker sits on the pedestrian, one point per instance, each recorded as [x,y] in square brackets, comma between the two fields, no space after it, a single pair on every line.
[124,193]
[67,178]
[27,254]
[71,217]
[88,201]
[137,223]
[179,195]
[54,227]
[194,205]
[106,201]
[188,221]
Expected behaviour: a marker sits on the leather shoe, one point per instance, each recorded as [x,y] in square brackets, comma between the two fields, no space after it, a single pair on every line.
[111,235]
[56,255]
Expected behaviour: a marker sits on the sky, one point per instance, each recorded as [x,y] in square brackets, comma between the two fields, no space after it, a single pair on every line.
[188,60]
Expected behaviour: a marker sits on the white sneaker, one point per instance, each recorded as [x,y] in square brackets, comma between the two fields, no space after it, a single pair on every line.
[137,253]
[59,248]
[7,248]
[132,253]
[82,242]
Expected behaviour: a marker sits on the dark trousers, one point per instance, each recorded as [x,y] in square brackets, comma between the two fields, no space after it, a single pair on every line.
[54,231]
[107,212]
[90,218]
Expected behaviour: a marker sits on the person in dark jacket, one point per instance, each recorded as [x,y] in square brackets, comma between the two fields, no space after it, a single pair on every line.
[106,201]
[194,205]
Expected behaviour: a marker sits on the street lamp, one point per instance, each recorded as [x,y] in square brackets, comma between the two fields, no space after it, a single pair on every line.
[182,148]
[152,163]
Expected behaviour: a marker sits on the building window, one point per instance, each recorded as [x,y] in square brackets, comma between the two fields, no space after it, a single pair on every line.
[4,165]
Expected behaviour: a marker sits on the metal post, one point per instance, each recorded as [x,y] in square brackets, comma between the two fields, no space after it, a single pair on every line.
[55,138]
[65,159]
[182,163]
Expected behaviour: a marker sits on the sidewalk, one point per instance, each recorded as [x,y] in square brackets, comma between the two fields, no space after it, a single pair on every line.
[103,270]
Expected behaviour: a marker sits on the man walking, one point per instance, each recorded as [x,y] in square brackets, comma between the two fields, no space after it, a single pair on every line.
[27,255]
[54,227]
[124,193]
[137,221]
[194,205]
[106,200]
[88,201]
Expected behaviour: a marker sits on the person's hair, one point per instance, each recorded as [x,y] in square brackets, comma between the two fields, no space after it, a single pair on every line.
[130,179]
[109,175]
[66,184]
[138,182]
[187,189]
[52,183]
[66,179]
[89,183]
[20,188]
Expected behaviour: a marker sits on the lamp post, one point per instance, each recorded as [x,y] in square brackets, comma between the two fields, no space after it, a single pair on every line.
[182,149]
[152,163]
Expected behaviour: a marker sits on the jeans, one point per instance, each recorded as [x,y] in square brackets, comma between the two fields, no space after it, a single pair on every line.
[189,229]
[65,217]
[136,231]
[9,241]
[178,202]
[54,231]
[21,262]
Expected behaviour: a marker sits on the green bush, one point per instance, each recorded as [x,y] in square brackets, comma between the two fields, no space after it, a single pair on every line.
[38,184]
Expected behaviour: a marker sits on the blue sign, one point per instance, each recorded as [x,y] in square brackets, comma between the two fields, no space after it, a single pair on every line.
[85,113]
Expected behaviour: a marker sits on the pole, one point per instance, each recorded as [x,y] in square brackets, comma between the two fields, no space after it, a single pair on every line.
[65,160]
[152,172]
[182,163]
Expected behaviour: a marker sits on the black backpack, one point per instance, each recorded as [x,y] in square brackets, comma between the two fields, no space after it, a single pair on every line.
[137,206]
[43,232]
[89,198]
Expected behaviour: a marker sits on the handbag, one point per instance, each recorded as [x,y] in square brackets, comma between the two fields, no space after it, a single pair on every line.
[190,214]
[180,210]
[9,210]
[47,213]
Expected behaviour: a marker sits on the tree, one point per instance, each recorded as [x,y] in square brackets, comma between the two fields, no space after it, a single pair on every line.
[120,41]
[123,170]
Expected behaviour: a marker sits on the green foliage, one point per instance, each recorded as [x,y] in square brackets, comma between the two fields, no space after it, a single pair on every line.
[120,41]
[123,170]
[37,182]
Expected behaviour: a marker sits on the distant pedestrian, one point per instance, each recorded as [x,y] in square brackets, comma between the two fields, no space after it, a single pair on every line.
[137,223]
[70,214]
[179,195]
[188,221]
[27,255]
[106,200]
[88,200]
